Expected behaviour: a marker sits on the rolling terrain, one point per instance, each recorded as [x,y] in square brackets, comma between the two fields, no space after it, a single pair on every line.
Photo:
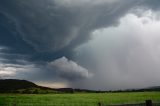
[27,87]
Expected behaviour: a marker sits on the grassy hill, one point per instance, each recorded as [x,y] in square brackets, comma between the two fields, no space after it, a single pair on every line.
[27,87]
[23,86]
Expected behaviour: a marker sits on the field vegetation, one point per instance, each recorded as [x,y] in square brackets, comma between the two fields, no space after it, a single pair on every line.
[77,99]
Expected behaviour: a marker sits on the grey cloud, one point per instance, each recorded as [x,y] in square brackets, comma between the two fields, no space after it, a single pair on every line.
[43,25]
[68,69]
[50,27]
[151,4]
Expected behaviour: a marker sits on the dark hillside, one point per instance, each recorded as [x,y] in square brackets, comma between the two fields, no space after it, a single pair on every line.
[14,84]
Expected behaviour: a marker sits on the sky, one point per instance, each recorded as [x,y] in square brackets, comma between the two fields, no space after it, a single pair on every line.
[89,44]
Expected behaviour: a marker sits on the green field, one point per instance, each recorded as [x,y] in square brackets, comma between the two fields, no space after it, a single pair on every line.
[86,99]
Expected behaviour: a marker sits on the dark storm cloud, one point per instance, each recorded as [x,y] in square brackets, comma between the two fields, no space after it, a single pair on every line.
[40,32]
[55,26]
[49,27]
[48,30]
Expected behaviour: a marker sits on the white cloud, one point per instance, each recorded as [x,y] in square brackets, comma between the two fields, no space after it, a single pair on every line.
[15,70]
[7,71]
[68,69]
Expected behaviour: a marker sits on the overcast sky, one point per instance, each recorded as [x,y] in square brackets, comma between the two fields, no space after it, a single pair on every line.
[91,44]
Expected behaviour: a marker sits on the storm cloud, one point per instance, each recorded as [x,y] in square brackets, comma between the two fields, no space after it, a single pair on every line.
[58,40]
[48,26]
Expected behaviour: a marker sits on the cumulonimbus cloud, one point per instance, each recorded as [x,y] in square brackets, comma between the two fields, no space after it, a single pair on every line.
[49,29]
[68,69]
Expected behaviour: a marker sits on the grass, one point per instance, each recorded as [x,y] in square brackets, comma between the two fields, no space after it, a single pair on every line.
[86,99]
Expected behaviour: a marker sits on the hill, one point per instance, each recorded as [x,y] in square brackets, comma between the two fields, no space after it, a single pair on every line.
[15,84]
[22,86]
[27,87]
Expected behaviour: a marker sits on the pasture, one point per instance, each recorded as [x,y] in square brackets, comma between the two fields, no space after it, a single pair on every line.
[77,99]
